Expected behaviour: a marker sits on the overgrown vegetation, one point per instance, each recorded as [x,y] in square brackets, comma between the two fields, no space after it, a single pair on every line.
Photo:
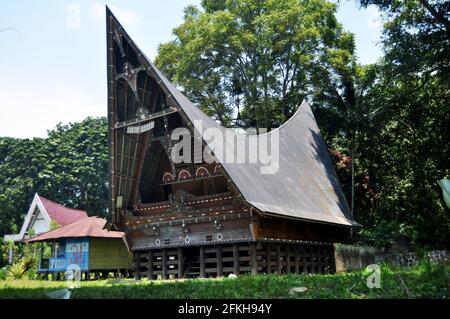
[17,270]
[24,262]
[69,167]
[386,124]
[423,281]
[3,273]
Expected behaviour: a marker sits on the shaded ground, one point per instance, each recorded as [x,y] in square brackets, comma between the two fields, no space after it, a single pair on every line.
[424,281]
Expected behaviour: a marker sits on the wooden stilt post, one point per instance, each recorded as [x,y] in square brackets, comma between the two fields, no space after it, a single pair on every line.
[219,261]
[202,261]
[279,265]
[137,266]
[180,263]
[288,259]
[236,259]
[164,263]
[254,262]
[268,259]
[311,259]
[304,265]
[332,256]
[150,265]
[297,259]
[319,259]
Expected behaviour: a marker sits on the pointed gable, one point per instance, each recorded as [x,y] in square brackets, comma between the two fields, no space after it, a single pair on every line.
[60,214]
[41,212]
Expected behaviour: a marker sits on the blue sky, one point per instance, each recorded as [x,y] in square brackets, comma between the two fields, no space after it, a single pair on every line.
[53,64]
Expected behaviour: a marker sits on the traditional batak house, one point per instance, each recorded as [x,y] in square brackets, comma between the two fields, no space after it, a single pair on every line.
[205,219]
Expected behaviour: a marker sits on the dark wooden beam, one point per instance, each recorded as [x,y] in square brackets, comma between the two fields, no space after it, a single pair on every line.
[304,265]
[137,265]
[319,259]
[254,262]
[288,259]
[311,259]
[268,258]
[150,117]
[279,265]
[180,262]
[236,259]
[219,261]
[297,259]
[202,261]
[164,263]
[150,265]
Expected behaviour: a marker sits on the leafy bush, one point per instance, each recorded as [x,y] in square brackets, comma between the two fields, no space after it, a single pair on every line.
[3,273]
[29,262]
[32,273]
[17,270]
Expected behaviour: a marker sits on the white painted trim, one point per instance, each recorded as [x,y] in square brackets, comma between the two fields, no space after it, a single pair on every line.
[43,210]
[12,237]
[36,202]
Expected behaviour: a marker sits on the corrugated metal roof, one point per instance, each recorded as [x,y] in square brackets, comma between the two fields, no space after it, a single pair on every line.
[305,186]
[86,227]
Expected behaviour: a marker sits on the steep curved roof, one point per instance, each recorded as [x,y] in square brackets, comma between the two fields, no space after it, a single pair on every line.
[305,186]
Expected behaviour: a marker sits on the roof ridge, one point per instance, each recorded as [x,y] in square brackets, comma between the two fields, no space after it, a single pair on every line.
[92,223]
[59,204]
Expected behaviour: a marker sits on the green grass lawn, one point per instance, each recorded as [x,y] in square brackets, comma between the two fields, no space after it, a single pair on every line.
[423,281]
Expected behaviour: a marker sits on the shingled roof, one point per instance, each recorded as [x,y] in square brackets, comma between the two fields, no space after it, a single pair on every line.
[305,186]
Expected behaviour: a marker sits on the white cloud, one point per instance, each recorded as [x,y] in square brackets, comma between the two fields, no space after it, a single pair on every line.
[374,19]
[127,17]
[27,112]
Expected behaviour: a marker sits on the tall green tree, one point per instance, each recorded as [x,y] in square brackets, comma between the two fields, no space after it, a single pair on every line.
[248,62]
[69,167]
[410,141]
[254,61]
